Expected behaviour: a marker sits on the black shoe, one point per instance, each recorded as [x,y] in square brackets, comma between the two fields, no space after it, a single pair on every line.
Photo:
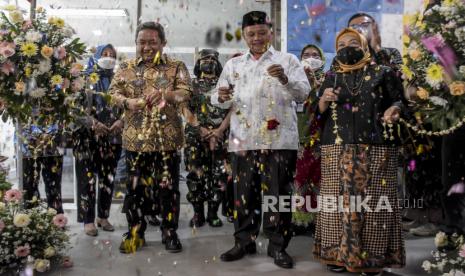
[198,220]
[281,258]
[336,268]
[214,221]
[153,220]
[238,252]
[129,245]
[172,243]
[372,273]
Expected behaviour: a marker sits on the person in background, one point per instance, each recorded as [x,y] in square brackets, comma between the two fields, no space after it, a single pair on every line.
[359,101]
[97,145]
[262,87]
[206,151]
[367,26]
[152,89]
[42,155]
[307,178]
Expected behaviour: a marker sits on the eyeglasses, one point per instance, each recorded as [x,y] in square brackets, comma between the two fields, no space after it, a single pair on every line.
[362,25]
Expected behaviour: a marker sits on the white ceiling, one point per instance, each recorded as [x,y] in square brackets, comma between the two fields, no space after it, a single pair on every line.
[186,22]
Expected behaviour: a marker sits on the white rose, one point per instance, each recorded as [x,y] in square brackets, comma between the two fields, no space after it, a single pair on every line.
[41,265]
[21,220]
[33,36]
[49,252]
[426,266]
[44,66]
[37,93]
[441,239]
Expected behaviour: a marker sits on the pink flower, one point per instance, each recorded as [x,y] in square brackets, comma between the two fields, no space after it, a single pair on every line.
[67,262]
[22,251]
[60,53]
[60,220]
[2,226]
[13,195]
[437,46]
[7,68]
[66,83]
[462,251]
[7,49]
[76,69]
[27,25]
[77,84]
[457,188]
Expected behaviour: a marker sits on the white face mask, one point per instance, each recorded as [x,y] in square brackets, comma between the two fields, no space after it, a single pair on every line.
[107,62]
[313,63]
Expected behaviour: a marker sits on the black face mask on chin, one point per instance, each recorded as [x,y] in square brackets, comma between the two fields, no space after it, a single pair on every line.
[350,55]
[208,67]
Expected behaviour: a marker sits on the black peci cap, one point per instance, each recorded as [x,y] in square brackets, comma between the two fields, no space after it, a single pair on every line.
[254,18]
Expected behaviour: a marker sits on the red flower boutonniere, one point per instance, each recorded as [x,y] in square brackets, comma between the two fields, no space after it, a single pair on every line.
[272,124]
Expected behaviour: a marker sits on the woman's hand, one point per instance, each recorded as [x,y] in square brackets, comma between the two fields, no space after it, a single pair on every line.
[392,114]
[329,95]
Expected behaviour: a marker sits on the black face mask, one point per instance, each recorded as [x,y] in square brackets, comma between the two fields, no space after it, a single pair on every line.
[349,55]
[207,67]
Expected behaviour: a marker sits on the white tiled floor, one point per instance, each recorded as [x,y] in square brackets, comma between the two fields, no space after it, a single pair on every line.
[202,248]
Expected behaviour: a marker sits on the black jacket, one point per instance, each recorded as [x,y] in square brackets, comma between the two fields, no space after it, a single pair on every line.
[360,113]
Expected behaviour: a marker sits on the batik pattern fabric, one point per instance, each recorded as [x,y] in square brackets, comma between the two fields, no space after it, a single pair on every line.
[358,238]
[133,80]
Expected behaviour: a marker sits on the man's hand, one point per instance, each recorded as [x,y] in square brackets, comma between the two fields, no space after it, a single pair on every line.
[218,134]
[135,104]
[100,129]
[153,97]
[277,71]
[225,94]
[375,42]
[117,127]
[205,133]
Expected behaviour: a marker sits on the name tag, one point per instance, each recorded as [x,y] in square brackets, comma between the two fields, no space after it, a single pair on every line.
[300,107]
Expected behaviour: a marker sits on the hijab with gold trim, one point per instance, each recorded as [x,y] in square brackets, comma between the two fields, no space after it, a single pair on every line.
[345,68]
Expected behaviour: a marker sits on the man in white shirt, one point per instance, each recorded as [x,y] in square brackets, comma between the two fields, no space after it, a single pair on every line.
[262,87]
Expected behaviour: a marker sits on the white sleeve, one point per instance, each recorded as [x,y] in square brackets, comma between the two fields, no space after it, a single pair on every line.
[297,85]
[222,81]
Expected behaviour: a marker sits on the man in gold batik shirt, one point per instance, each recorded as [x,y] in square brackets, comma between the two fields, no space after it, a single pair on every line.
[152,89]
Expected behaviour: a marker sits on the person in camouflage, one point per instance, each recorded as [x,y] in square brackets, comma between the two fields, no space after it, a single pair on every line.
[205,152]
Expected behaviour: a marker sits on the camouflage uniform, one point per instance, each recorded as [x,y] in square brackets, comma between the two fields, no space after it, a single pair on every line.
[207,177]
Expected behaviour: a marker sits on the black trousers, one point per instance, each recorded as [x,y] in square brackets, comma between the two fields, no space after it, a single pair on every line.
[207,175]
[269,171]
[453,171]
[97,165]
[147,194]
[51,168]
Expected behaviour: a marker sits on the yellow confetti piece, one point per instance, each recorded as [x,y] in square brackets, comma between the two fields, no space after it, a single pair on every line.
[203,108]
[383,182]
[170,216]
[235,214]
[89,174]
[262,167]
[264,187]
[119,195]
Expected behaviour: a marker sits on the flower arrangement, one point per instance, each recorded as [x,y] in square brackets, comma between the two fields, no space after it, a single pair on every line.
[434,59]
[449,259]
[38,69]
[34,236]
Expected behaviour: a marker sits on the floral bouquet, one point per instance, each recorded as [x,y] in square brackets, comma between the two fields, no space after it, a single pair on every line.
[30,237]
[449,259]
[434,59]
[38,69]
